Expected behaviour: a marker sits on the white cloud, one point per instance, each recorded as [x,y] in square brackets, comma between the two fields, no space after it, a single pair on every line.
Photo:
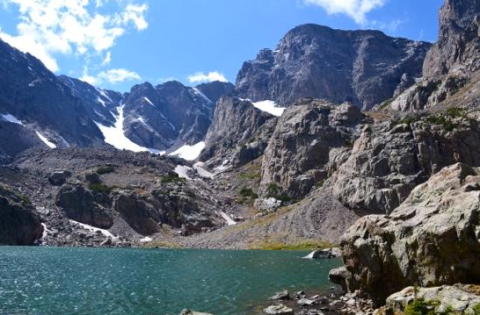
[108,59]
[356,9]
[50,27]
[201,77]
[112,76]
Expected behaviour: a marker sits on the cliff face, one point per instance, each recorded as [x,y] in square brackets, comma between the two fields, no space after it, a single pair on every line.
[431,239]
[459,39]
[361,67]
[451,69]
[20,224]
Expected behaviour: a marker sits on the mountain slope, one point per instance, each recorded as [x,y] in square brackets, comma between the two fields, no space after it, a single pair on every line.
[362,67]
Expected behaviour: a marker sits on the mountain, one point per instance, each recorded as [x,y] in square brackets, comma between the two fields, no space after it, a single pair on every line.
[37,108]
[361,67]
[451,72]
[167,115]
[216,90]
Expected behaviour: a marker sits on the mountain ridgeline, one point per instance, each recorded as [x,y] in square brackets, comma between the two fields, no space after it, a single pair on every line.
[365,68]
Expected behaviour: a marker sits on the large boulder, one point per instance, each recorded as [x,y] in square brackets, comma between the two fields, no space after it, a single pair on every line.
[458,299]
[79,204]
[432,239]
[140,215]
[19,224]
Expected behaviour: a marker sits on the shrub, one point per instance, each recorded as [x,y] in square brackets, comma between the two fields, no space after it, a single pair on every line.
[274,191]
[172,177]
[409,119]
[476,310]
[455,112]
[105,170]
[421,307]
[100,188]
[248,193]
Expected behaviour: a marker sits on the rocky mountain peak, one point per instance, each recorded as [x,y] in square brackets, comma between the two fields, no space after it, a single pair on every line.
[361,67]
[459,38]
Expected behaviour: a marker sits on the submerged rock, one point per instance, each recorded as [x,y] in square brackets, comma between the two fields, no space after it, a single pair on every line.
[190,312]
[280,296]
[278,309]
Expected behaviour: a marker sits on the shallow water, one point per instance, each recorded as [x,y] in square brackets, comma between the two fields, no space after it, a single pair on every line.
[72,281]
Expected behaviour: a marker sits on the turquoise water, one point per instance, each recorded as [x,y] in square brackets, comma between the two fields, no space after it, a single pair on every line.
[72,281]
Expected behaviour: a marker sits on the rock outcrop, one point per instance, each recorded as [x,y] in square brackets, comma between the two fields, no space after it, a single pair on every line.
[390,159]
[361,67]
[238,134]
[19,223]
[453,62]
[432,239]
[459,299]
[79,204]
[308,139]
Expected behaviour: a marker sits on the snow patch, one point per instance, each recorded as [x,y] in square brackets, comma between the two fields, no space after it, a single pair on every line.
[49,144]
[227,218]
[202,172]
[199,93]
[101,101]
[146,240]
[12,119]
[115,135]
[94,229]
[188,152]
[182,171]
[148,101]
[269,107]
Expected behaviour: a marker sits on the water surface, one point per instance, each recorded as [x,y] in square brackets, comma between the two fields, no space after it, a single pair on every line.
[72,281]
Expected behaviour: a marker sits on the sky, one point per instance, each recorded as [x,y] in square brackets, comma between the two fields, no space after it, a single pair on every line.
[115,44]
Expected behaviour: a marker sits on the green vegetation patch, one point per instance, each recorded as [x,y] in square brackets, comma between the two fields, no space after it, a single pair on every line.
[274,191]
[100,188]
[107,169]
[248,193]
[422,307]
[446,118]
[172,178]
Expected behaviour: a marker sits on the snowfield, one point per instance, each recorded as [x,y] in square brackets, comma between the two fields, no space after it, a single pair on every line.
[189,152]
[12,119]
[269,107]
[115,135]
[49,144]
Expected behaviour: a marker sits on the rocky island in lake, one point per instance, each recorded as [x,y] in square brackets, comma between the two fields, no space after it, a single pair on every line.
[339,174]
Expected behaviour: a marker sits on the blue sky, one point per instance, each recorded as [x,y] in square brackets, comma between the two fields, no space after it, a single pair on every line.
[118,43]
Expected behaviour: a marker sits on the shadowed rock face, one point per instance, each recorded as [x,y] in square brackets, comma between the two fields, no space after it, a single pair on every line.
[80,205]
[239,132]
[158,117]
[216,90]
[35,96]
[361,67]
[19,224]
[432,239]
